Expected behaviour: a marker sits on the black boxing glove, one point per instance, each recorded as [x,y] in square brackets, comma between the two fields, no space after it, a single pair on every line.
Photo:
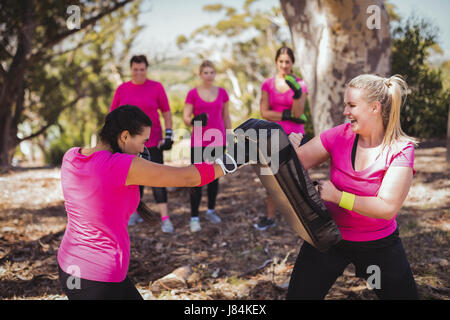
[294,85]
[200,120]
[145,154]
[168,141]
[286,115]
[237,154]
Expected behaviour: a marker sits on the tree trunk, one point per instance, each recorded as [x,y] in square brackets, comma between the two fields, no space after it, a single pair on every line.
[13,78]
[13,83]
[335,41]
[448,138]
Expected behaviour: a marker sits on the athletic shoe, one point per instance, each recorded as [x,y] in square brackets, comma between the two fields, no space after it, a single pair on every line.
[166,226]
[211,216]
[134,218]
[195,225]
[264,224]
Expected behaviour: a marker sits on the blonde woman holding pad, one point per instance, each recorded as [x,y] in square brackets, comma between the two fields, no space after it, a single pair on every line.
[371,170]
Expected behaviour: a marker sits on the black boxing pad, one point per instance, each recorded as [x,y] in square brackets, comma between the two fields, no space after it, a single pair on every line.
[288,183]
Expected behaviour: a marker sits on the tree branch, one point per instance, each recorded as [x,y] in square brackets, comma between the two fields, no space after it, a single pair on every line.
[50,123]
[85,24]
[37,133]
[3,72]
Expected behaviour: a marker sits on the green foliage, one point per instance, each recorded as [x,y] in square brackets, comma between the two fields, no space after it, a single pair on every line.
[426,109]
[247,40]
[58,147]
[309,129]
[85,73]
[69,75]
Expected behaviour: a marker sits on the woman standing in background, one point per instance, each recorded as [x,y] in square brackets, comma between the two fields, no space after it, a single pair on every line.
[279,105]
[206,109]
[151,97]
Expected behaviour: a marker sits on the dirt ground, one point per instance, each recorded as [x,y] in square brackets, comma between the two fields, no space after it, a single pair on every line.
[231,260]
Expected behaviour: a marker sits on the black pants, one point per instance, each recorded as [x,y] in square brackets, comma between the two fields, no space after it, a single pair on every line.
[160,194]
[315,272]
[201,154]
[96,290]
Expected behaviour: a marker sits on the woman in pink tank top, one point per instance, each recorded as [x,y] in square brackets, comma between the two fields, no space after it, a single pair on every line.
[206,110]
[282,103]
[371,171]
[101,190]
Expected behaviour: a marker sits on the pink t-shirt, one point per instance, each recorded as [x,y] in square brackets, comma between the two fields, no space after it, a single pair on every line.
[280,101]
[338,141]
[96,245]
[150,97]
[213,134]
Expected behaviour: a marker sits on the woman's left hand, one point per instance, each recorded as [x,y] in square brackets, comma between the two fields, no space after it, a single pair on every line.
[295,139]
[328,192]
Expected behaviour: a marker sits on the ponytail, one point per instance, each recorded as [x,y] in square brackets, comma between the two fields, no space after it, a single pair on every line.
[391,93]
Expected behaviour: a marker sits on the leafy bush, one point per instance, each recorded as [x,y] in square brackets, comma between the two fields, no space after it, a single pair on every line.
[426,109]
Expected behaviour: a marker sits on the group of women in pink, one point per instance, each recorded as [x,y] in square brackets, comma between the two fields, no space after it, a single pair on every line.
[371,169]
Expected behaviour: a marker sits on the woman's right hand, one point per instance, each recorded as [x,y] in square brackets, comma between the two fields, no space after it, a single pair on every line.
[295,139]
[200,120]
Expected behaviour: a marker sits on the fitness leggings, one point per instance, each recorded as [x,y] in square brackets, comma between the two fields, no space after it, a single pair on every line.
[315,272]
[160,194]
[96,290]
[200,155]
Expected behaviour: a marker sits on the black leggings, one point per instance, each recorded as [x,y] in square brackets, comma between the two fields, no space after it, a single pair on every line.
[196,197]
[160,194]
[97,290]
[315,272]
[200,155]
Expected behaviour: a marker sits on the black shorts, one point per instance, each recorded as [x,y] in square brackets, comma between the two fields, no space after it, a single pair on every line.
[315,272]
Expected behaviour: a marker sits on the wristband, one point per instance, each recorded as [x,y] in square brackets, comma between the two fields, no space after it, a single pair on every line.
[347,200]
[207,173]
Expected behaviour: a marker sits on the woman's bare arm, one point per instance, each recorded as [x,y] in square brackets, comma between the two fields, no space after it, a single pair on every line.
[147,173]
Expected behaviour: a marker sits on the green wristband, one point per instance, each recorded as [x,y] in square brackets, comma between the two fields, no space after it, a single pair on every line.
[347,200]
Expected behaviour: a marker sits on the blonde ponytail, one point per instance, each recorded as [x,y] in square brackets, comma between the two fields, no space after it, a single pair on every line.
[391,93]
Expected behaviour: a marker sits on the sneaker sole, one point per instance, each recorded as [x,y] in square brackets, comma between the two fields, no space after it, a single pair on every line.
[213,220]
[263,228]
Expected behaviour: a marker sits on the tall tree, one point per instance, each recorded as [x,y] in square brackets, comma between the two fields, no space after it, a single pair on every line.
[32,34]
[425,112]
[334,42]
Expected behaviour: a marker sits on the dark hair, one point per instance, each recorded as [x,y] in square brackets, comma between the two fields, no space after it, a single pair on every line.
[126,117]
[285,50]
[139,59]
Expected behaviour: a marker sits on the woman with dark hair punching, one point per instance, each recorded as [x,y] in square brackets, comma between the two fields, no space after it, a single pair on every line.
[151,97]
[282,101]
[371,170]
[206,109]
[101,190]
